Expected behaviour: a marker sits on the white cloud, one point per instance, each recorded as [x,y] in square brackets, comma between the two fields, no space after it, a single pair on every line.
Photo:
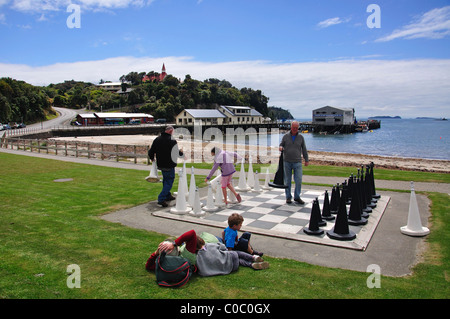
[57,5]
[332,21]
[434,24]
[407,88]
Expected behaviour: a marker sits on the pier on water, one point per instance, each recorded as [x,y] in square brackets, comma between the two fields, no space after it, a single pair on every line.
[310,127]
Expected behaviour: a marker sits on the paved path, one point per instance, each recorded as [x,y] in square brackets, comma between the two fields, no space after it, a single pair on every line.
[392,251]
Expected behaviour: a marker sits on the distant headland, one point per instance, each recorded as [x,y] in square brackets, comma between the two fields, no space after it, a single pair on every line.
[385,117]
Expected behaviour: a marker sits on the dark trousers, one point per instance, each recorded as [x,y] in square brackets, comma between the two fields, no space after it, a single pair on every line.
[168,179]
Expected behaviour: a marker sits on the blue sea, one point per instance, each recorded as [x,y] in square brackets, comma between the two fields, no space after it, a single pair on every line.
[417,138]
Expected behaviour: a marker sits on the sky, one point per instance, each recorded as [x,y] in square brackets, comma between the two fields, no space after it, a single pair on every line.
[380,57]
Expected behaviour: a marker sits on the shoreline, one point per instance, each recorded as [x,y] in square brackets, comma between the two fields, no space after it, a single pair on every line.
[271,153]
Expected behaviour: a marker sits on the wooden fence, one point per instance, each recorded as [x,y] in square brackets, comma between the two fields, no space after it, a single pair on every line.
[116,152]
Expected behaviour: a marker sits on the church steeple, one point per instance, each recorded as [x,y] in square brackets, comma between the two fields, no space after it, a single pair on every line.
[163,72]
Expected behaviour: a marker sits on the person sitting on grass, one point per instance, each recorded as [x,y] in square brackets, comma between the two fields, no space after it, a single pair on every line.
[225,160]
[231,239]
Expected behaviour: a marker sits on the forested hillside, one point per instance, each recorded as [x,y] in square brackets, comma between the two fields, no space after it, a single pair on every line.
[22,102]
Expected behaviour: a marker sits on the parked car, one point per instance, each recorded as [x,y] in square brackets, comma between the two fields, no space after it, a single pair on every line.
[160,121]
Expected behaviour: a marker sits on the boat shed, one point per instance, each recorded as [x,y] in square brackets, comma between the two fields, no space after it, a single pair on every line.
[113,118]
[332,116]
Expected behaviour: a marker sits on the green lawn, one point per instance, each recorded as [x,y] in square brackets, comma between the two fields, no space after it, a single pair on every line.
[46,226]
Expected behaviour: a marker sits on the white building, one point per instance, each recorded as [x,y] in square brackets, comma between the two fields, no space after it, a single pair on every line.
[329,115]
[222,115]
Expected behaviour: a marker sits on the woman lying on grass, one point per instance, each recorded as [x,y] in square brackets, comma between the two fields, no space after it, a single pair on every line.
[211,257]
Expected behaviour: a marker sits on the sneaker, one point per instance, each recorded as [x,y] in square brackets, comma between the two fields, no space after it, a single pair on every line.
[288,201]
[238,197]
[257,258]
[257,253]
[170,198]
[260,265]
[163,204]
[299,200]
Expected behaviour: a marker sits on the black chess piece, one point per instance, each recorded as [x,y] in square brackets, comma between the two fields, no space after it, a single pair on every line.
[278,181]
[326,213]
[372,179]
[355,214]
[341,230]
[314,221]
[335,198]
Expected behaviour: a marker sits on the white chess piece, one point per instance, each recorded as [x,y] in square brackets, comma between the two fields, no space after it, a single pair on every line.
[153,176]
[210,207]
[257,186]
[267,180]
[192,188]
[242,184]
[197,210]
[181,207]
[414,226]
[250,174]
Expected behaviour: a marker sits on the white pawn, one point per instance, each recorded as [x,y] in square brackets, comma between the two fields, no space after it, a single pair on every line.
[242,184]
[192,188]
[185,184]
[414,226]
[210,207]
[181,207]
[267,180]
[250,175]
[197,211]
[219,197]
[231,197]
[257,187]
[153,176]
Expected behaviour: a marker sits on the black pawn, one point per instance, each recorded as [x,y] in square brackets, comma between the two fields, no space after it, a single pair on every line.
[278,181]
[314,221]
[344,194]
[326,214]
[321,222]
[372,178]
[369,185]
[341,230]
[350,189]
[357,196]
[367,196]
[362,195]
[334,202]
[354,215]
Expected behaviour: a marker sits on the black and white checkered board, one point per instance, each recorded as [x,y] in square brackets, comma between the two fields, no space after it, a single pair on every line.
[267,213]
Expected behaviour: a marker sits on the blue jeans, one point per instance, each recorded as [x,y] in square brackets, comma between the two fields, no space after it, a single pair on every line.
[168,179]
[297,169]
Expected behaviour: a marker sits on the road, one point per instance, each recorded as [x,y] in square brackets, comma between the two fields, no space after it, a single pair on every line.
[64,119]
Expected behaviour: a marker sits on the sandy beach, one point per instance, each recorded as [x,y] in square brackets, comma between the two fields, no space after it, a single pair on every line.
[271,154]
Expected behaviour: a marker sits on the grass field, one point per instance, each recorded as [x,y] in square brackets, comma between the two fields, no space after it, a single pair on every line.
[46,226]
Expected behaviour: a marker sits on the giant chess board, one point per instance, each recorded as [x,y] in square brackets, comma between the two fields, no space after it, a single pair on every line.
[267,213]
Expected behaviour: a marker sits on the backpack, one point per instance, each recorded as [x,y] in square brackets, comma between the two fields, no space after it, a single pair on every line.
[173,271]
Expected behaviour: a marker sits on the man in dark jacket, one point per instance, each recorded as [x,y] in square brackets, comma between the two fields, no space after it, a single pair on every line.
[166,150]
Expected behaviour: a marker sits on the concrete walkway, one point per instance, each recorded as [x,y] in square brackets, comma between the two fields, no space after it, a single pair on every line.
[392,251]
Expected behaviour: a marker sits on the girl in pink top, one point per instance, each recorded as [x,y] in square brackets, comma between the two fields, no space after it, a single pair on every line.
[225,160]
